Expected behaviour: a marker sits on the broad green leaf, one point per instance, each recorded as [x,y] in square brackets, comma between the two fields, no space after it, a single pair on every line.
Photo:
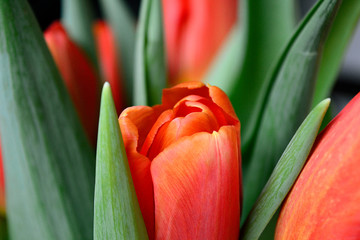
[150,67]
[335,47]
[78,17]
[117,212]
[123,26]
[289,100]
[285,173]
[268,26]
[49,163]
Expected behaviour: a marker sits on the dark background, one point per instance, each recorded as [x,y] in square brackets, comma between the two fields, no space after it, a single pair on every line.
[347,86]
[47,11]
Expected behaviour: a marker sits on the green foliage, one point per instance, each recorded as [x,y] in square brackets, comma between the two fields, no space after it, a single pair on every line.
[285,173]
[123,26]
[150,67]
[288,101]
[117,212]
[78,18]
[49,163]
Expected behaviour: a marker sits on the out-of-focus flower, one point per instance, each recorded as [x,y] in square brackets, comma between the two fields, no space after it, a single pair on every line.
[324,202]
[109,62]
[78,75]
[184,158]
[194,32]
[2,185]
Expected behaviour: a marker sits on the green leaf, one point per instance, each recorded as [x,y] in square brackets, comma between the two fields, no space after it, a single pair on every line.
[335,47]
[49,163]
[285,173]
[78,18]
[123,26]
[225,69]
[268,26]
[289,100]
[117,211]
[150,67]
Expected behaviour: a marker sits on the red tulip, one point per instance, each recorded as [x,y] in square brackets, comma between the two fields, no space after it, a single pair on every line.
[108,61]
[2,186]
[324,202]
[184,157]
[194,32]
[78,75]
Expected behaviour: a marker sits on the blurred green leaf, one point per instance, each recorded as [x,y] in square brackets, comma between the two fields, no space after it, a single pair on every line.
[123,25]
[289,99]
[335,47]
[78,17]
[117,212]
[285,173]
[267,26]
[3,228]
[225,69]
[150,65]
[49,163]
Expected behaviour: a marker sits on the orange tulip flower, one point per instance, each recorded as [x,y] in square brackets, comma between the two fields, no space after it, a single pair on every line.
[108,61]
[324,202]
[194,32]
[2,186]
[78,75]
[184,157]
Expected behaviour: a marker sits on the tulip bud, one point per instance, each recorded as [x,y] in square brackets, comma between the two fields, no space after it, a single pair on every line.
[109,62]
[78,75]
[324,201]
[184,156]
[194,32]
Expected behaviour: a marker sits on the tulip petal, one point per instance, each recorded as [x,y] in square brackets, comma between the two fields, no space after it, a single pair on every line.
[324,202]
[197,188]
[219,97]
[109,62]
[172,95]
[192,39]
[135,122]
[78,75]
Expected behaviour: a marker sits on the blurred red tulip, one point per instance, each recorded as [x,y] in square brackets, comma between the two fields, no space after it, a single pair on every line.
[194,32]
[184,157]
[109,62]
[324,202]
[78,75]
[2,185]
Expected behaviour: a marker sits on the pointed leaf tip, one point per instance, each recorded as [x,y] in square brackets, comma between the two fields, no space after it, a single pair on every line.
[117,212]
[285,173]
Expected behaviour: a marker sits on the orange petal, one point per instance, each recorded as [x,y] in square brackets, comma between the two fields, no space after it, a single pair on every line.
[132,123]
[193,37]
[324,202]
[78,75]
[109,62]
[173,95]
[196,184]
[221,99]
